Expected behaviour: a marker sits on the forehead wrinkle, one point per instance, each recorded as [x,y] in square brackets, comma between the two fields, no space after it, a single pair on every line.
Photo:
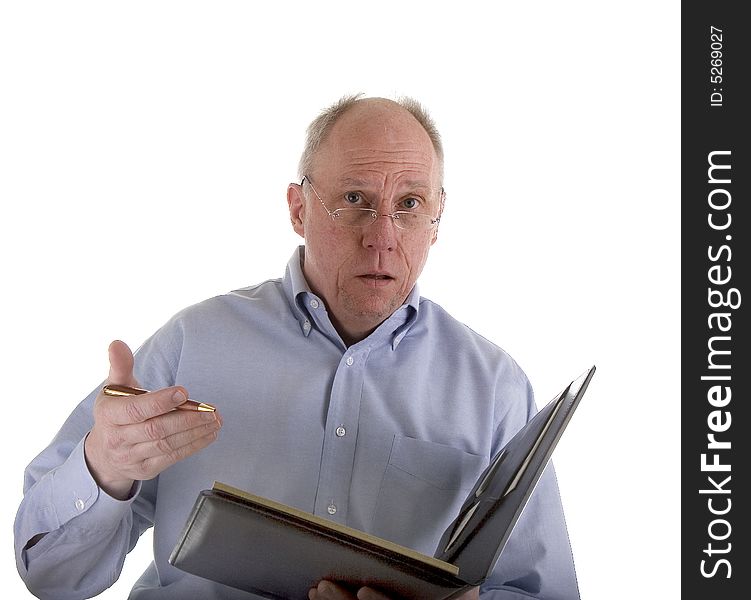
[395,167]
[369,153]
[373,160]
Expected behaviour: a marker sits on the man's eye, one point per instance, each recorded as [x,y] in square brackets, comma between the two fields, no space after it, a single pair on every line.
[410,203]
[353,198]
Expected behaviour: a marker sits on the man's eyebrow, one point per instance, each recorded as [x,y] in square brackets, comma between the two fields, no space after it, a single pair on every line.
[417,185]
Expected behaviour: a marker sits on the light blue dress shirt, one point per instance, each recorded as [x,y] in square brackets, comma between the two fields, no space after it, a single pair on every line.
[387,436]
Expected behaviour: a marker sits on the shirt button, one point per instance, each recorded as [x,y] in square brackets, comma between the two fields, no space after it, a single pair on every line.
[350,361]
[314,303]
[340,431]
[80,505]
[332,509]
[306,326]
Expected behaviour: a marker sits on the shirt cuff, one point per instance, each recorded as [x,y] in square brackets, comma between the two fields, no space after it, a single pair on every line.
[75,494]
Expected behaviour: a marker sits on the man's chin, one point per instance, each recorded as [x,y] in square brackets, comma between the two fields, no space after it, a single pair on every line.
[374,308]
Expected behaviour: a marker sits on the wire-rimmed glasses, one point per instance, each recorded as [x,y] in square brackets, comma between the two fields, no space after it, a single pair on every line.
[362,217]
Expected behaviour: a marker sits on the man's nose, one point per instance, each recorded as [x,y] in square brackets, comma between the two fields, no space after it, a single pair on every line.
[380,235]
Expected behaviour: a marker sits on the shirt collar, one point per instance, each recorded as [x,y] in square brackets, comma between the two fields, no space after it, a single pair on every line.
[299,295]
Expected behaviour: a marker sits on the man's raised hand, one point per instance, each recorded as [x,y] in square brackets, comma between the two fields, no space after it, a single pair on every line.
[137,437]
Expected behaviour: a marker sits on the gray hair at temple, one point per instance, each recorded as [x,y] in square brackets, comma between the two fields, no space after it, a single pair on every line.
[322,124]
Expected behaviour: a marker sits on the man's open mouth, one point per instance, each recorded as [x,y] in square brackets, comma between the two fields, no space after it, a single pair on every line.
[376,279]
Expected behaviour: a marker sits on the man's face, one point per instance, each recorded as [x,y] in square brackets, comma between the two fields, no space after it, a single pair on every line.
[376,156]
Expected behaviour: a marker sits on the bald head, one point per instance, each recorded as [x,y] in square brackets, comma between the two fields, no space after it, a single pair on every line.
[362,111]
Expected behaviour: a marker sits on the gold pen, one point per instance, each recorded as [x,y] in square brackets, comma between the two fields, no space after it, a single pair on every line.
[124,390]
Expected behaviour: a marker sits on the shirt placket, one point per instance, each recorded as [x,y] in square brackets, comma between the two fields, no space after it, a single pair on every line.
[337,459]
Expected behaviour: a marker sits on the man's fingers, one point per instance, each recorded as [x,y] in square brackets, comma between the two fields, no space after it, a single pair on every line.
[150,467]
[121,364]
[366,593]
[146,459]
[328,590]
[162,427]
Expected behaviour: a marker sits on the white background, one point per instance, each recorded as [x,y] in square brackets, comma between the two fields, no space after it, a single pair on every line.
[145,148]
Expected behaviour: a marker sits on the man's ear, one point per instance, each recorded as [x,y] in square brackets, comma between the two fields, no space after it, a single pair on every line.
[296,203]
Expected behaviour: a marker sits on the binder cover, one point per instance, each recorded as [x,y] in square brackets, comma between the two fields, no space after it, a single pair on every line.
[276,551]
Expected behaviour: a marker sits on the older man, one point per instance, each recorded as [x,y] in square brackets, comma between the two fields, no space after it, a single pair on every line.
[342,392]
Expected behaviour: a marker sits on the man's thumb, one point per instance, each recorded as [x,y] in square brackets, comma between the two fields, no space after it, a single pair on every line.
[121,364]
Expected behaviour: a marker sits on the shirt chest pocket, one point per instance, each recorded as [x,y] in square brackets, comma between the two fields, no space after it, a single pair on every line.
[422,490]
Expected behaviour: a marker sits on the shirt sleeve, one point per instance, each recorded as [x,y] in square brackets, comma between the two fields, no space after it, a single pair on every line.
[537,561]
[71,537]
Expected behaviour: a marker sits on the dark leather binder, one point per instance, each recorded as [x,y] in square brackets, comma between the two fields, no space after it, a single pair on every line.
[276,551]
